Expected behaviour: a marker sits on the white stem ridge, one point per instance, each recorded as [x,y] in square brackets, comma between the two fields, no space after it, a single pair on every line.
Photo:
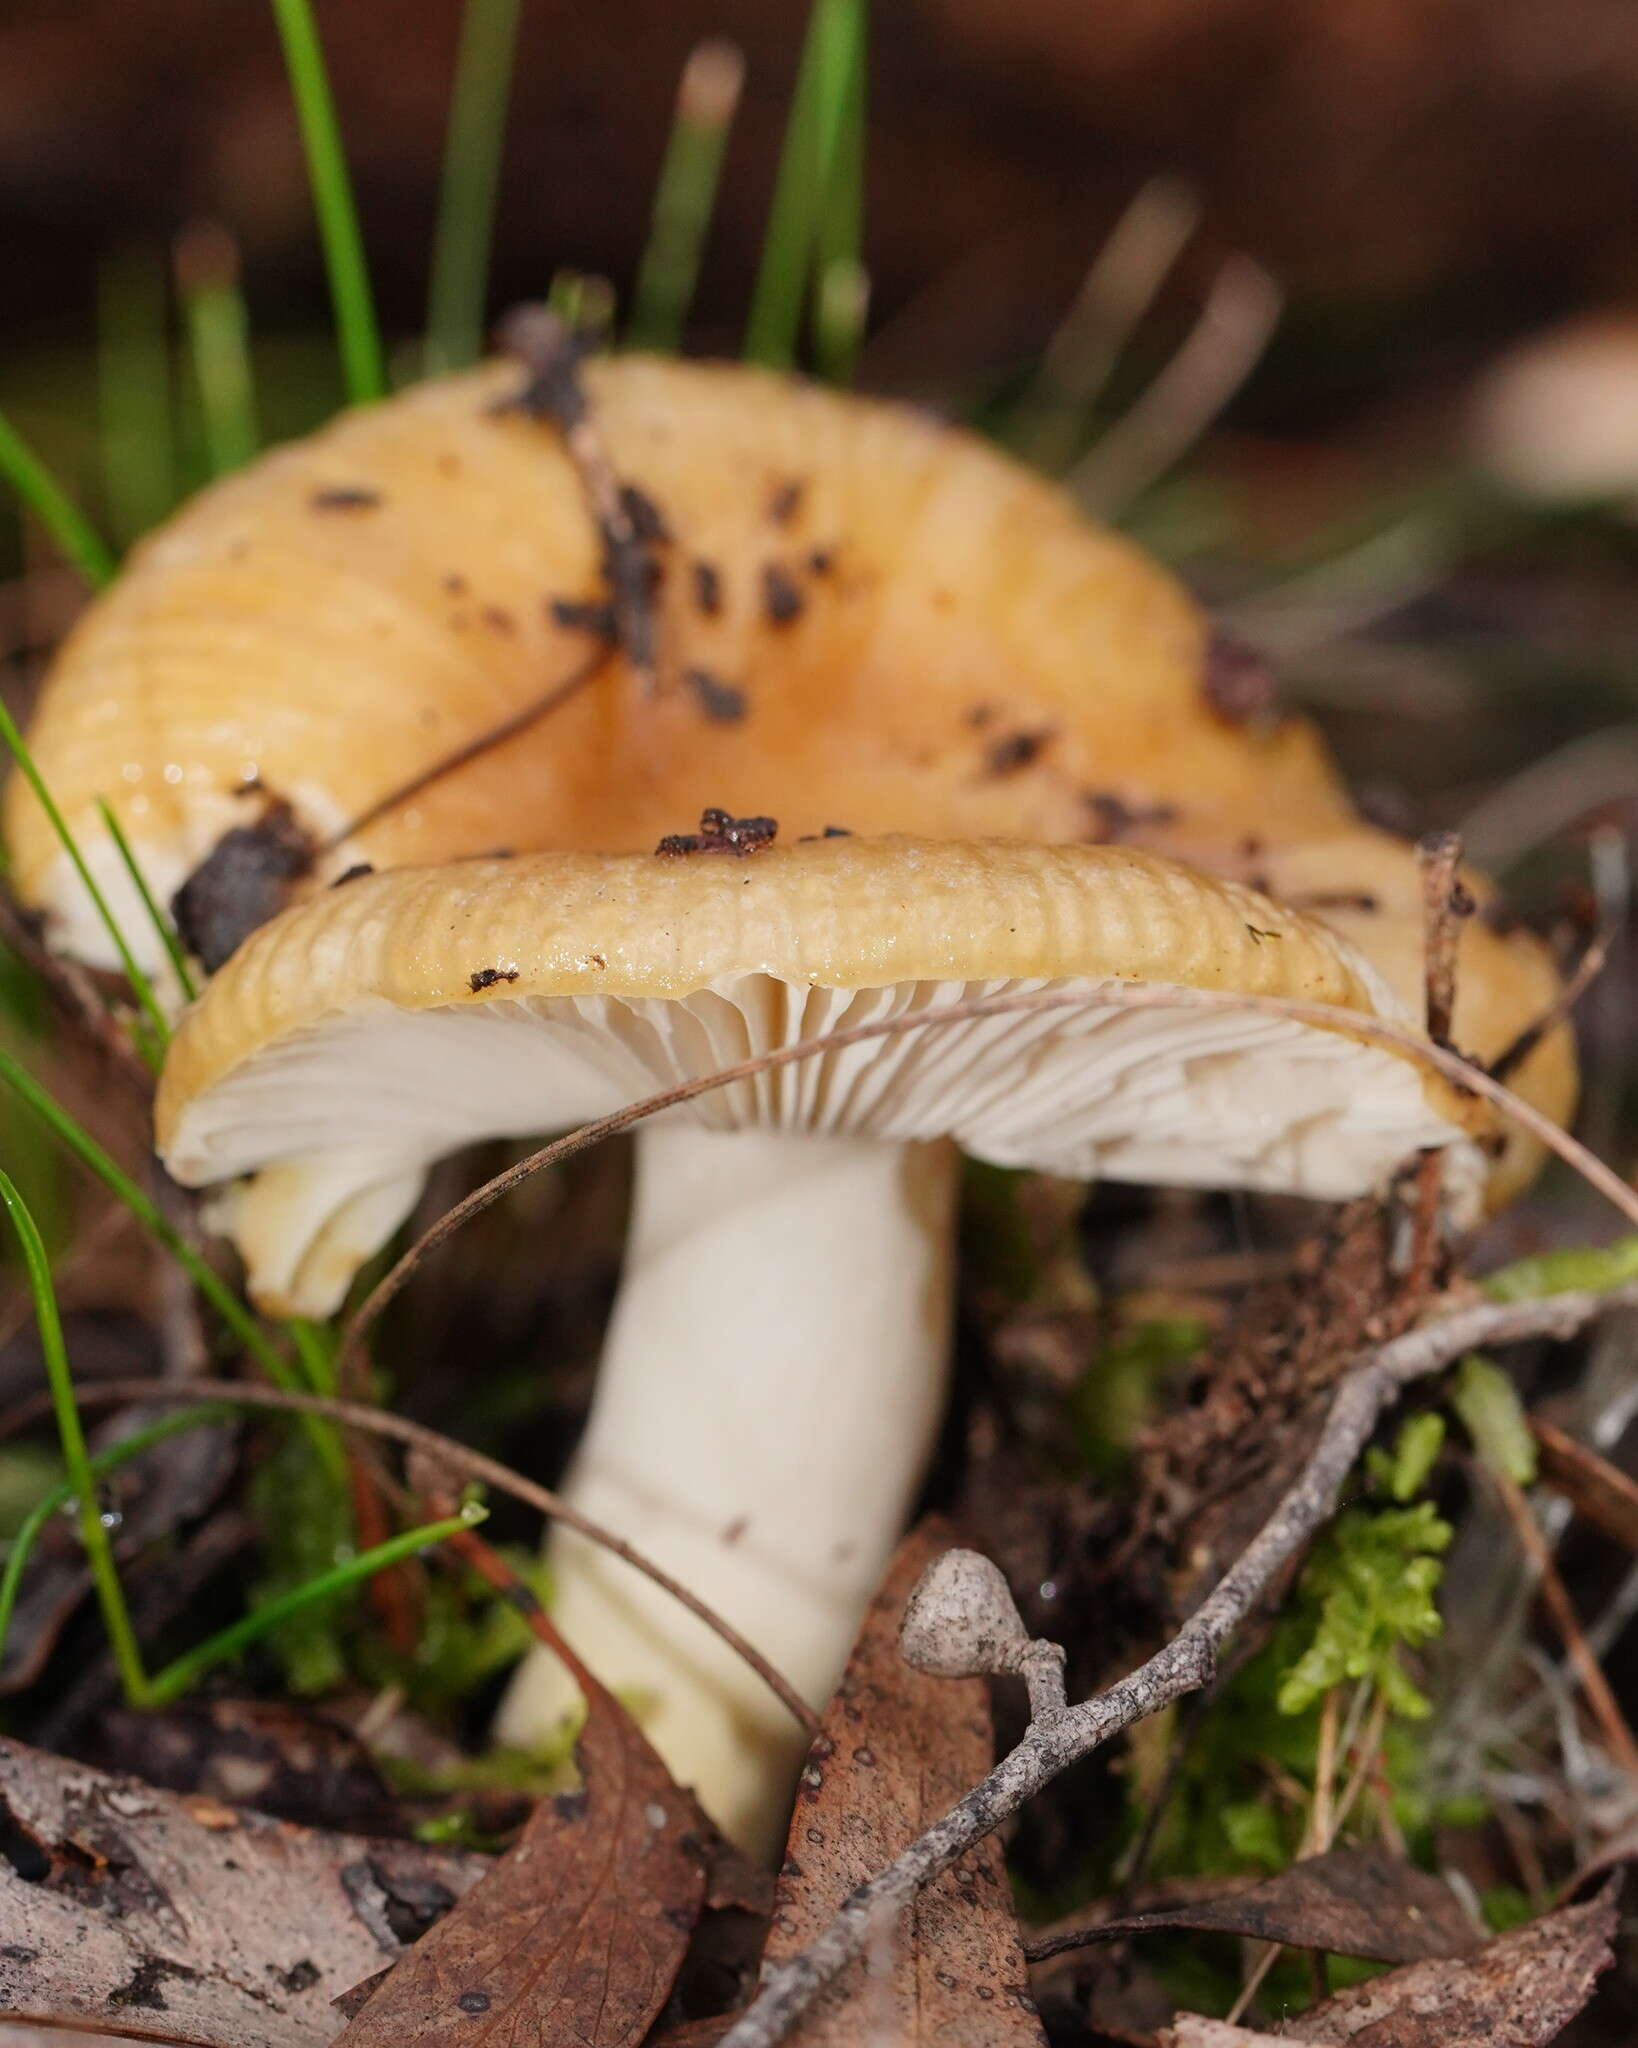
[770,1389]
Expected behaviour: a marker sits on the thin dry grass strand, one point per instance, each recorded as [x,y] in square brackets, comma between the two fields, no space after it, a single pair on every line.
[1596,1689]
[1375,1030]
[472,1464]
[493,736]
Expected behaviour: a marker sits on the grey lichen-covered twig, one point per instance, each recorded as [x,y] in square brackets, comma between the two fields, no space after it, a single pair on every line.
[953,1627]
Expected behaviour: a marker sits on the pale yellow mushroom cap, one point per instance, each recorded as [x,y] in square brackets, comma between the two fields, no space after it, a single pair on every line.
[388,1022]
[920,635]
[1366,886]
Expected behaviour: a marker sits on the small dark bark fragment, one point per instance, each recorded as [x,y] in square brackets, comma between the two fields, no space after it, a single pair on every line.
[486,977]
[243,881]
[1236,682]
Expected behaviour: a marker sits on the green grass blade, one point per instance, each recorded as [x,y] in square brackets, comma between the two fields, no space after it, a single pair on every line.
[356,330]
[316,1349]
[841,297]
[163,928]
[135,402]
[207,279]
[465,233]
[828,84]
[176,1677]
[686,194]
[58,1497]
[227,1305]
[55,510]
[141,987]
[116,1617]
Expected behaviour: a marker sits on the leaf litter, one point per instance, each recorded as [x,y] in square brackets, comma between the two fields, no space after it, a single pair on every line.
[180,1918]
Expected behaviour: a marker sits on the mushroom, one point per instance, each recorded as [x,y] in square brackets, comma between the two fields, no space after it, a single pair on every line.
[775,1366]
[1554,422]
[864,618]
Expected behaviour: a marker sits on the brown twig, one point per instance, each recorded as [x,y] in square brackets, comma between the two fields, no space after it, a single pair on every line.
[1358,1024]
[495,736]
[495,1572]
[551,353]
[1051,1744]
[1595,1687]
[473,1464]
[1587,970]
[1445,902]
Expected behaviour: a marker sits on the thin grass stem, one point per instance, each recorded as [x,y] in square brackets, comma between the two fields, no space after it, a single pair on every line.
[99,1553]
[826,88]
[67,525]
[685,195]
[176,1677]
[135,403]
[164,930]
[465,232]
[357,334]
[141,987]
[315,1346]
[207,278]
[239,1320]
[841,296]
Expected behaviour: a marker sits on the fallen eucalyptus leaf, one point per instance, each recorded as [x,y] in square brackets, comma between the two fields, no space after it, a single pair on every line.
[576,1934]
[184,1919]
[1519,1991]
[1348,1902]
[896,1748]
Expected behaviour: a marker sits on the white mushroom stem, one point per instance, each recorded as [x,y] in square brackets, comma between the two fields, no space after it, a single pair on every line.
[768,1397]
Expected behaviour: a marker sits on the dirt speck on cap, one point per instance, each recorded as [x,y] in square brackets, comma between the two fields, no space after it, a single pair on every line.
[722,703]
[583,615]
[782,599]
[786,500]
[1015,750]
[1113,818]
[707,579]
[346,498]
[720,832]
[486,977]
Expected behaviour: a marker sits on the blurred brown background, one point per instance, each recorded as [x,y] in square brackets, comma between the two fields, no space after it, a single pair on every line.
[1477,159]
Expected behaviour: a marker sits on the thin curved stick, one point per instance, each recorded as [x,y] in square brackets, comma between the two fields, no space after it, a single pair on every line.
[493,736]
[1376,1030]
[379,1422]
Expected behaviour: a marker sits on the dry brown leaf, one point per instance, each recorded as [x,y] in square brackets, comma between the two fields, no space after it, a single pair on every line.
[577,1932]
[1348,1902]
[897,1748]
[181,1919]
[1519,1991]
